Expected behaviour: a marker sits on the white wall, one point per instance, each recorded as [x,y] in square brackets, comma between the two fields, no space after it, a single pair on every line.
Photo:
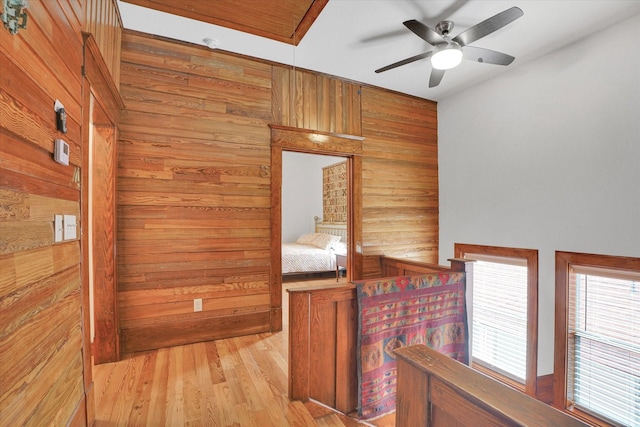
[547,156]
[302,192]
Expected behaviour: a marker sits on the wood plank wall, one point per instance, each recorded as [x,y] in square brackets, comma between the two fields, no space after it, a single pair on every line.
[400,178]
[400,161]
[41,360]
[194,173]
[193,194]
[102,19]
[314,102]
[308,100]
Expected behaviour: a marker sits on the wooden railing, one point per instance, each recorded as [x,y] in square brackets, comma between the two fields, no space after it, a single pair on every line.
[323,334]
[434,390]
[409,267]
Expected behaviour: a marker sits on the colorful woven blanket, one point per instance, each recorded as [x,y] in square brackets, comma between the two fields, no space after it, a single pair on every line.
[395,312]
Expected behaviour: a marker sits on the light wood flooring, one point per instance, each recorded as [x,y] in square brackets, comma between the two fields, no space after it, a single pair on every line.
[233,382]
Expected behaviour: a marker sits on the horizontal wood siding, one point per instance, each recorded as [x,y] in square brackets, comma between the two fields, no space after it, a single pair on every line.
[400,178]
[193,194]
[194,183]
[41,359]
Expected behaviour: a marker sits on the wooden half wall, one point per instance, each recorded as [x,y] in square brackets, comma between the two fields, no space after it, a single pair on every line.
[194,184]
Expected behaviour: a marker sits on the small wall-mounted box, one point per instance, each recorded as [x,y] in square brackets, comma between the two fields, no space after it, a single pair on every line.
[61,152]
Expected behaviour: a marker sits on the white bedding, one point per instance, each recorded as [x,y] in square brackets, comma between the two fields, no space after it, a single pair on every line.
[297,258]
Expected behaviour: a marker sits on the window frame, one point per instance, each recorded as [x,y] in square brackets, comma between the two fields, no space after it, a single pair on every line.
[564,262]
[531,257]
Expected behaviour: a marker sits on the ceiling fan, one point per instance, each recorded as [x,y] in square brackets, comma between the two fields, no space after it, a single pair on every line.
[448,52]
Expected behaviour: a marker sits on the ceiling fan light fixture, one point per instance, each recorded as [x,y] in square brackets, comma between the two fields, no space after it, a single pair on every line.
[446,56]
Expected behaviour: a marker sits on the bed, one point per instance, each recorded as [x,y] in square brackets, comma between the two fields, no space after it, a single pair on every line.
[315,252]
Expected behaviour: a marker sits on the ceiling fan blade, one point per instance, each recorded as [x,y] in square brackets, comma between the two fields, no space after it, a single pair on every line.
[436,77]
[404,62]
[488,26]
[424,32]
[487,56]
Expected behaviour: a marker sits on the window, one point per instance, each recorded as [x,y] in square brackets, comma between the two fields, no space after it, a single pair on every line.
[598,337]
[503,313]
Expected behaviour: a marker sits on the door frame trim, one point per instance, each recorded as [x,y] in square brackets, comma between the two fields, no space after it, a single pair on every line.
[285,138]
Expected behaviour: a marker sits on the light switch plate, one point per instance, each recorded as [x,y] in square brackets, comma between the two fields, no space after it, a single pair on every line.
[197,304]
[69,227]
[57,228]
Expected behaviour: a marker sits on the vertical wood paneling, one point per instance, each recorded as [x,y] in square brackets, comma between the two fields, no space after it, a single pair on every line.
[322,353]
[41,338]
[322,377]
[346,364]
[193,194]
[400,178]
[314,101]
[102,19]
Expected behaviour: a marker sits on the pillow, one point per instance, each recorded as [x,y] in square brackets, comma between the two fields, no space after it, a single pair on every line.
[340,248]
[325,241]
[306,239]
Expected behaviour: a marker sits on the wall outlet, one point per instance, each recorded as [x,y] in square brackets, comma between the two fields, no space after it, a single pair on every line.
[197,304]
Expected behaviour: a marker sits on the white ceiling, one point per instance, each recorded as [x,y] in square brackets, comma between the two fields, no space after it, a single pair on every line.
[352,38]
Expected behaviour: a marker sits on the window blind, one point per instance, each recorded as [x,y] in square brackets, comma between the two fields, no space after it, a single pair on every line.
[499,324]
[604,344]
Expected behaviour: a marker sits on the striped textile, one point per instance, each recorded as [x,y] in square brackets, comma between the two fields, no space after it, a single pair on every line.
[395,312]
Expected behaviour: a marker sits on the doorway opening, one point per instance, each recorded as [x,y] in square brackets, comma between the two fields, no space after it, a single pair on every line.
[314,216]
[286,139]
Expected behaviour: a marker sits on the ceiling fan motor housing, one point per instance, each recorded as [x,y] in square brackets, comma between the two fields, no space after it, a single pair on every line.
[444,28]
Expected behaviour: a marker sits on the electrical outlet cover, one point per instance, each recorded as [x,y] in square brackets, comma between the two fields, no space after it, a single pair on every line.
[57,228]
[69,227]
